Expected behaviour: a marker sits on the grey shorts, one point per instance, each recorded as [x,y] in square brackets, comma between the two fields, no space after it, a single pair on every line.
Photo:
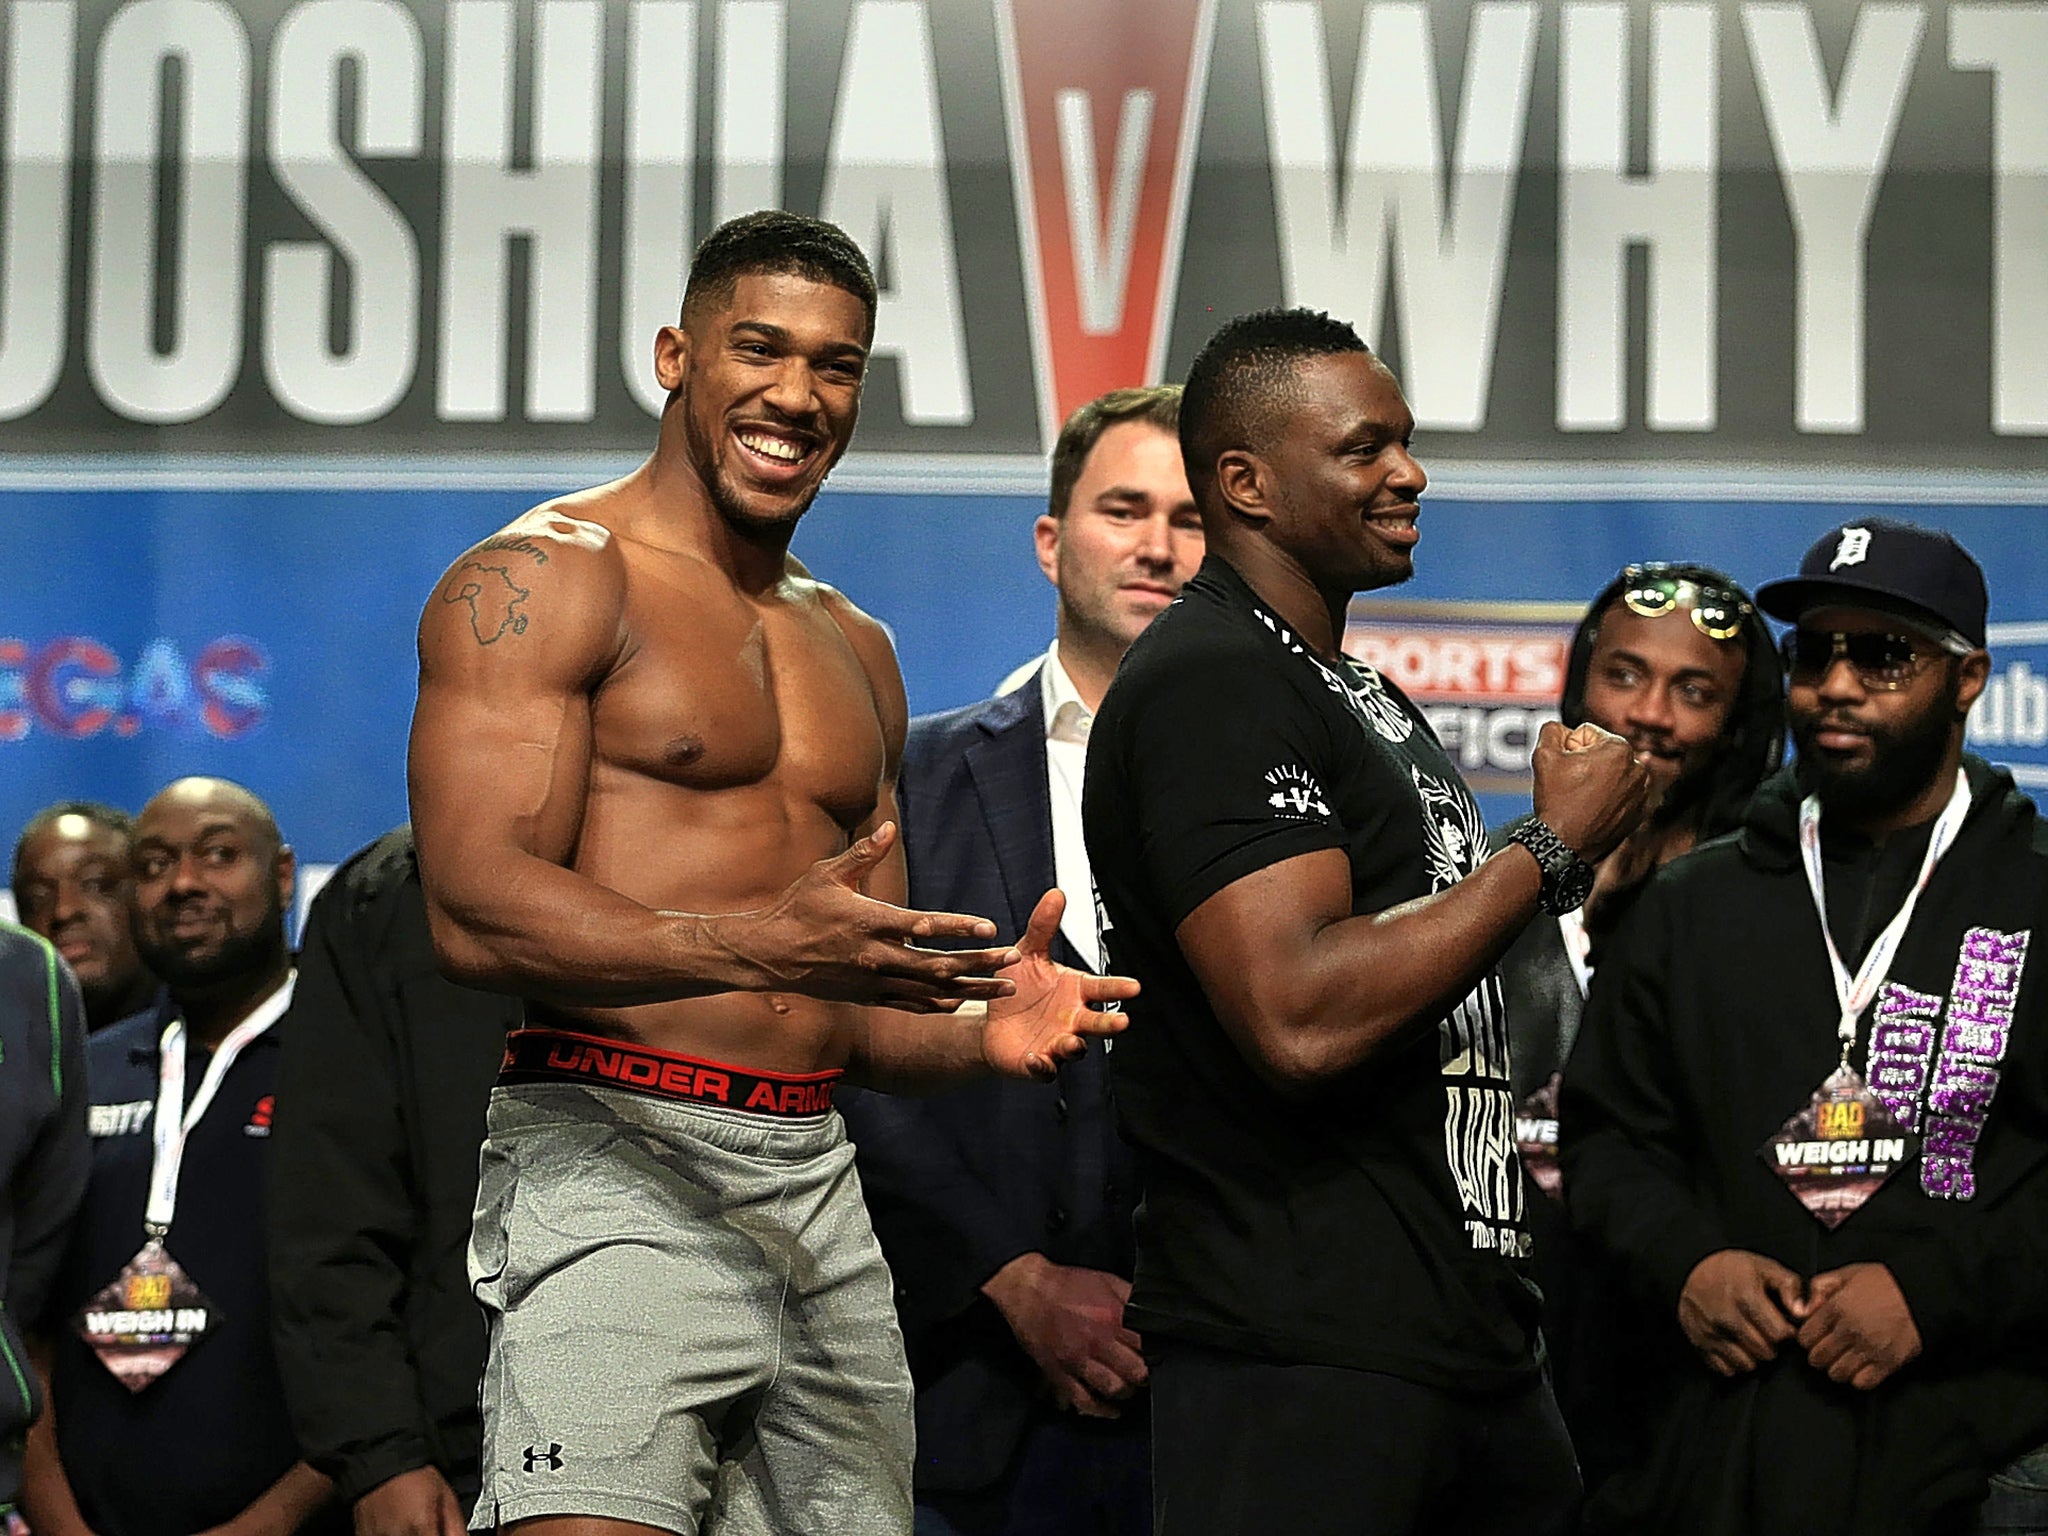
[691,1325]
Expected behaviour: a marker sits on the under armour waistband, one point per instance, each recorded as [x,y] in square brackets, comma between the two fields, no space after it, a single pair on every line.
[560,1056]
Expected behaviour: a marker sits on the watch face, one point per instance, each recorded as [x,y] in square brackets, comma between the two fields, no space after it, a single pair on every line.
[1573,885]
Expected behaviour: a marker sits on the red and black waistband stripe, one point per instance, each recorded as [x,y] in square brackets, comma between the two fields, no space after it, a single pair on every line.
[561,1056]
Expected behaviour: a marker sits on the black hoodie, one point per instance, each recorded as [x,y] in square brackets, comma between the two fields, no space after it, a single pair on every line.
[1712,1019]
[386,1072]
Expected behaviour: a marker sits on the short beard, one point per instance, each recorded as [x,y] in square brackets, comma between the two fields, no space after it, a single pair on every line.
[242,954]
[1903,761]
[725,502]
[725,498]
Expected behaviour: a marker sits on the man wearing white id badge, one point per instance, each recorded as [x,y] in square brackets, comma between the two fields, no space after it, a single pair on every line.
[1807,1117]
[168,1415]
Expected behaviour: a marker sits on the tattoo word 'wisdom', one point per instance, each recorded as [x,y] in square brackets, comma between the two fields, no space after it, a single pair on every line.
[493,598]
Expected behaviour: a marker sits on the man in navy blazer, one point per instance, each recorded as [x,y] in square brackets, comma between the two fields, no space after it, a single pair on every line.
[1004,1209]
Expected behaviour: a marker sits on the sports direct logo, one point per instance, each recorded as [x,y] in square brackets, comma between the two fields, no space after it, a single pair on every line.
[76,687]
[1485,675]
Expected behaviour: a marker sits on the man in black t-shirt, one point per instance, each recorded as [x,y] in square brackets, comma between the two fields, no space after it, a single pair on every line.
[1330,1249]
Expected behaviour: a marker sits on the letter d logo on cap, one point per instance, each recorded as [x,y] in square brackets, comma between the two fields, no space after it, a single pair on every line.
[1853,550]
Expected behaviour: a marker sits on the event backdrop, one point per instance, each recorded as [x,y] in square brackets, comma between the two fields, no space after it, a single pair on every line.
[1729,232]
[299,297]
[268,636]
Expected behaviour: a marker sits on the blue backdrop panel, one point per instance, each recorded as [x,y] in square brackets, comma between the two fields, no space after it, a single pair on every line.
[268,636]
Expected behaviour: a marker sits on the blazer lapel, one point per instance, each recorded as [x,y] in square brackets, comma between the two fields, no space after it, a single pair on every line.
[1008,769]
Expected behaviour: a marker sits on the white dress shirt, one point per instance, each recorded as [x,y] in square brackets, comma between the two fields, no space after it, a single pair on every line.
[1067,720]
[1578,946]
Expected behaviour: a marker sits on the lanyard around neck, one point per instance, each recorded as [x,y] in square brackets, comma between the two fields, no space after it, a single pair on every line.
[1853,993]
[173,1121]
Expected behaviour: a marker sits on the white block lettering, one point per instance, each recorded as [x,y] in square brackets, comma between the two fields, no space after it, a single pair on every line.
[1602,210]
[374,368]
[1831,157]
[2012,42]
[484,202]
[1449,251]
[885,185]
[211,48]
[661,139]
[1102,256]
[752,67]
[35,203]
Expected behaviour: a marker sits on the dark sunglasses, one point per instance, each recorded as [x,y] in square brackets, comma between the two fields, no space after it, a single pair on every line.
[1883,663]
[1716,612]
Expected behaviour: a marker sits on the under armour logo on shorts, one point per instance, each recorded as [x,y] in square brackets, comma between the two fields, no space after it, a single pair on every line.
[1853,550]
[549,1459]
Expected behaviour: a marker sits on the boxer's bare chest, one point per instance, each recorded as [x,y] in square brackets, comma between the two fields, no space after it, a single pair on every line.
[718,693]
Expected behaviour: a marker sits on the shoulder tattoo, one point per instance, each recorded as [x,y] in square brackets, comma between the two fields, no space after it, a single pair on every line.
[494,599]
[513,544]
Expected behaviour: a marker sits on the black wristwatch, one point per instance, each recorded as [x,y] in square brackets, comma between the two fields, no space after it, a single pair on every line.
[1567,878]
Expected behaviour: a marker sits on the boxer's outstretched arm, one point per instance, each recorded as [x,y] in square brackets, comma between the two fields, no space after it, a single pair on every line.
[514,640]
[1053,1009]
[1307,990]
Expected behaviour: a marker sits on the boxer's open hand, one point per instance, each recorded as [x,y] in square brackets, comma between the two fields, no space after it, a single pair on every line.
[824,938]
[1052,1013]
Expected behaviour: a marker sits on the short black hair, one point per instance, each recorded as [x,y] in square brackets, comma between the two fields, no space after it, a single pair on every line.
[1244,378]
[1156,406]
[1753,740]
[112,818]
[773,241]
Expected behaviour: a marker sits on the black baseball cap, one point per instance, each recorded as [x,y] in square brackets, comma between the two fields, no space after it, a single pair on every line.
[1921,575]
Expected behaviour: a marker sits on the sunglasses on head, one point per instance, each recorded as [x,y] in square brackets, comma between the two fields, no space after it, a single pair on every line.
[1883,663]
[1651,590]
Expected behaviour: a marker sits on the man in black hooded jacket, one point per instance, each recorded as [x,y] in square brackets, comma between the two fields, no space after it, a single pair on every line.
[1676,660]
[386,1072]
[1841,1350]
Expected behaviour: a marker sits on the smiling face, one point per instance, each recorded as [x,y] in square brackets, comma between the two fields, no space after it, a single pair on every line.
[767,382]
[1127,540]
[1346,486]
[211,886]
[1665,687]
[74,884]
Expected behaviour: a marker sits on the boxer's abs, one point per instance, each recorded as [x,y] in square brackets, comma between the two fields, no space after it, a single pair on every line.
[731,849]
[723,767]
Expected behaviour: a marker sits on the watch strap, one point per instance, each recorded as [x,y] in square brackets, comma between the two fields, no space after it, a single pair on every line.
[1567,878]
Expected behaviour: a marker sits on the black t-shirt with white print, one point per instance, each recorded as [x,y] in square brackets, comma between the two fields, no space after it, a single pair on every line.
[1377,1222]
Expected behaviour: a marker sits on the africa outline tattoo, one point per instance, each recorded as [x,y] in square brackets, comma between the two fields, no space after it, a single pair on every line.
[503,597]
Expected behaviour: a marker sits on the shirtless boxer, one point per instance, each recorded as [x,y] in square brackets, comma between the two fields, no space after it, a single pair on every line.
[652,778]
